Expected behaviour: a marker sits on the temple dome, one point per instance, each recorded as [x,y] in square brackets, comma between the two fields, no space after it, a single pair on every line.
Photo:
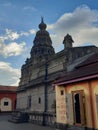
[42,43]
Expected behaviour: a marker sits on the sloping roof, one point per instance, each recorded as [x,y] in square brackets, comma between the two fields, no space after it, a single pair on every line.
[86,70]
[92,59]
[8,88]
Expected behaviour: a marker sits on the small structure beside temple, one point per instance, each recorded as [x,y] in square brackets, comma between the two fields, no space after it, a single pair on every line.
[7,98]
[77,96]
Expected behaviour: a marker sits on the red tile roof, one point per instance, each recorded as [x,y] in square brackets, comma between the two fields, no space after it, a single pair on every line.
[8,88]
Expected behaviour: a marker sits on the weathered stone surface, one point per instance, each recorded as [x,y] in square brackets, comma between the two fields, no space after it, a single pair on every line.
[45,65]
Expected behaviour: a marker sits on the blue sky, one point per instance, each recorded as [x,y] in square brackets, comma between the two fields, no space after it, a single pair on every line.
[19,22]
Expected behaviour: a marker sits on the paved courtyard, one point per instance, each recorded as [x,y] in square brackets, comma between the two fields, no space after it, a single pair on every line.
[6,125]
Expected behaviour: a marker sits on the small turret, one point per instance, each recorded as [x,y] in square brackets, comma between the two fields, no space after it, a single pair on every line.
[67,41]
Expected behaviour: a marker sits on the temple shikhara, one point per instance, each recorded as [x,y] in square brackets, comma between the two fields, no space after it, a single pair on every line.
[37,95]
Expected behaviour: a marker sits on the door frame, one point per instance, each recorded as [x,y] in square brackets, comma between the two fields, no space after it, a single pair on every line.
[82,107]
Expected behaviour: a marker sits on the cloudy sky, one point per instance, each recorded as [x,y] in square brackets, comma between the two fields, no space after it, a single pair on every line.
[19,20]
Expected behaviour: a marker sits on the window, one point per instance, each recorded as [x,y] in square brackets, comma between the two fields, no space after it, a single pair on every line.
[29,101]
[5,103]
[39,100]
[62,92]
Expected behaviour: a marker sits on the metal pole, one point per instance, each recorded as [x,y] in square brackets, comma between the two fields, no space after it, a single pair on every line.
[46,78]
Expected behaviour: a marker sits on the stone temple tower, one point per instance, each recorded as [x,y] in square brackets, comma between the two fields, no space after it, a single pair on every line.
[42,44]
[36,93]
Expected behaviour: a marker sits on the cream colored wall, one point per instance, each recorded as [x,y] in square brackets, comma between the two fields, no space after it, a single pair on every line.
[95,92]
[85,87]
[61,100]
[60,105]
[7,107]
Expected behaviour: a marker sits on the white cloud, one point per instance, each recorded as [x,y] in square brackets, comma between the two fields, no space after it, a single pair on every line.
[29,8]
[81,24]
[8,74]
[11,35]
[14,35]
[12,49]
[32,31]
[24,34]
[3,38]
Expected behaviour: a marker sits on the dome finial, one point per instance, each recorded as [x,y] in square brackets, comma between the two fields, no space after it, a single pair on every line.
[42,19]
[42,25]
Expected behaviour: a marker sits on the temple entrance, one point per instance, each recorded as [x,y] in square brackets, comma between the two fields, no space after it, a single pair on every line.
[77,108]
[78,104]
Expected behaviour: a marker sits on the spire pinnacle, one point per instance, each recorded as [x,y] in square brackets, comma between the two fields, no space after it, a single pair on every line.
[42,19]
[42,25]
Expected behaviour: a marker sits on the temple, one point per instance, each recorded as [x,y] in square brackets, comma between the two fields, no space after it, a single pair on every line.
[36,92]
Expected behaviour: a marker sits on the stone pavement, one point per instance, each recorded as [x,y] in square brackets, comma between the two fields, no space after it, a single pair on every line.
[5,125]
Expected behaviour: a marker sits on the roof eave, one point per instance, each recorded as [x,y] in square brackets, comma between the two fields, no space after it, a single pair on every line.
[76,80]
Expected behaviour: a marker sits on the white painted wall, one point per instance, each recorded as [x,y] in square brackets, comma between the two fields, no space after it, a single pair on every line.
[6,104]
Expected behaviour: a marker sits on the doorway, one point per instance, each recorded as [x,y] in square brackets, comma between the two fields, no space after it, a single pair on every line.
[79,107]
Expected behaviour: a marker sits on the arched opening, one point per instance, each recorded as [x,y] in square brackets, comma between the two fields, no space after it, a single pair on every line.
[6,104]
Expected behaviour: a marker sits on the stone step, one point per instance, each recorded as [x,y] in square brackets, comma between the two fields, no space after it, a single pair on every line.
[19,117]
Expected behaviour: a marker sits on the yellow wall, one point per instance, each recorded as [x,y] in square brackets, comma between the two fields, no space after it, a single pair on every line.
[94,85]
[85,88]
[90,90]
